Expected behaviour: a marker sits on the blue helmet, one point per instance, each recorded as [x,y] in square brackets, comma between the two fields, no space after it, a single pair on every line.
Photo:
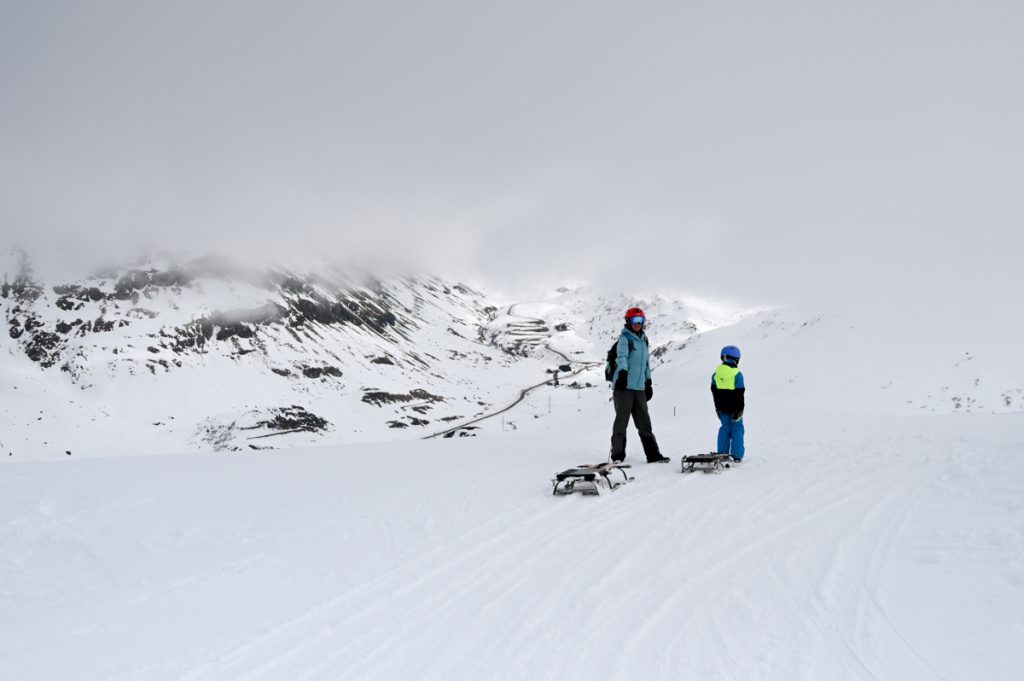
[730,352]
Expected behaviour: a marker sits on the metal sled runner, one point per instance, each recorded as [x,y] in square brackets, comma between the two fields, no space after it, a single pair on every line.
[709,463]
[590,479]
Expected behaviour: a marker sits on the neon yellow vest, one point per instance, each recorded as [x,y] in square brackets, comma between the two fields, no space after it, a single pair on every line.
[725,377]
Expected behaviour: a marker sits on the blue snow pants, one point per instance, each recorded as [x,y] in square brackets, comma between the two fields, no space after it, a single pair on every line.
[730,436]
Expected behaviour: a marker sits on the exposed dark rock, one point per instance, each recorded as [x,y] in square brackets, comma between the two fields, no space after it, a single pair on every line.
[193,335]
[465,431]
[25,289]
[414,356]
[379,397]
[294,285]
[322,311]
[317,372]
[292,419]
[382,360]
[135,281]
[240,329]
[153,364]
[69,292]
[44,348]
[281,372]
[100,325]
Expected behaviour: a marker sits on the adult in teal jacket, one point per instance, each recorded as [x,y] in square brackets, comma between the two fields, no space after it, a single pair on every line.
[632,389]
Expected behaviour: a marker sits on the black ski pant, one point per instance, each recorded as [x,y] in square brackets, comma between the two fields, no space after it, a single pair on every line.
[632,403]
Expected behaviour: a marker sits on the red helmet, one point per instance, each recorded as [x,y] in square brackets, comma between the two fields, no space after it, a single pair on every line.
[635,312]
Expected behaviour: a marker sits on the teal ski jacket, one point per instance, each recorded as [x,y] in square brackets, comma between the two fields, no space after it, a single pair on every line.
[634,356]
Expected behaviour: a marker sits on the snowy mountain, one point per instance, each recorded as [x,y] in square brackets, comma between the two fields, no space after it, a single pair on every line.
[183,355]
[189,355]
[202,354]
[874,531]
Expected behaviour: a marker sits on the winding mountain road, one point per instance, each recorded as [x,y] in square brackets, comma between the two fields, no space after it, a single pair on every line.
[583,366]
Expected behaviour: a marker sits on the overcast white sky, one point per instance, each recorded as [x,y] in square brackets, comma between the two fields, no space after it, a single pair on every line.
[759,150]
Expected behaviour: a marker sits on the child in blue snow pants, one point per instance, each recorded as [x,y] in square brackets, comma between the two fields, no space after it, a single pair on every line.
[729,393]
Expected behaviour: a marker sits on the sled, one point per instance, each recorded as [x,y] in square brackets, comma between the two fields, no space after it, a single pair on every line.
[595,478]
[708,463]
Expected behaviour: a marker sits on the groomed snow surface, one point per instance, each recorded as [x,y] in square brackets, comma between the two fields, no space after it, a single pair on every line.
[844,548]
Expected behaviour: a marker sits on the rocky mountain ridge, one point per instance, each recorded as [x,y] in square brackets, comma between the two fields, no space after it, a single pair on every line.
[308,347]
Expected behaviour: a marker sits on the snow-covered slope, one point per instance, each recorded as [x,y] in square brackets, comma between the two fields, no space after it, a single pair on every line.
[875,530]
[855,547]
[847,360]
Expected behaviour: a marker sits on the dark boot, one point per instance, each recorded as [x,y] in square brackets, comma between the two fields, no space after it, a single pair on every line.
[651,450]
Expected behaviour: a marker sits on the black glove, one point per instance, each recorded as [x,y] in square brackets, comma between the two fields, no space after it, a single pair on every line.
[620,380]
[648,390]
[738,415]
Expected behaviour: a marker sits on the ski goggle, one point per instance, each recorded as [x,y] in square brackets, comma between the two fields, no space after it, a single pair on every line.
[637,320]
